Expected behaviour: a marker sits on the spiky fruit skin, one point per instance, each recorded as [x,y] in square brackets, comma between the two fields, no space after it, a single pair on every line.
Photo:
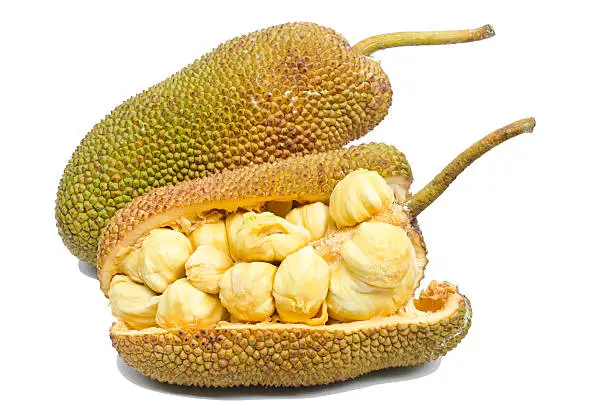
[315,174]
[292,89]
[291,356]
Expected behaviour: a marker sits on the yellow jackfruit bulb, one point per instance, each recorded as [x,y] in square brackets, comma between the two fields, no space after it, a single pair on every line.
[266,237]
[134,304]
[300,286]
[205,267]
[130,265]
[246,291]
[211,233]
[352,300]
[358,197]
[378,254]
[233,223]
[184,306]
[163,257]
[314,217]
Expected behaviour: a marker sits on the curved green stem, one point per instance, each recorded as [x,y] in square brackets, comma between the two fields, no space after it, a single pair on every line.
[372,44]
[440,183]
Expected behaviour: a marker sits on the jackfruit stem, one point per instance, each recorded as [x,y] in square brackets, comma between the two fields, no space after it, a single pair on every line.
[370,45]
[428,194]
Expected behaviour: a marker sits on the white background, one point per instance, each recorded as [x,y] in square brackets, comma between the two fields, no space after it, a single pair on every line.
[524,232]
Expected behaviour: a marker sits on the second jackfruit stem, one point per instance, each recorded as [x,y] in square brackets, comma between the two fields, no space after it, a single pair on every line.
[428,194]
[372,44]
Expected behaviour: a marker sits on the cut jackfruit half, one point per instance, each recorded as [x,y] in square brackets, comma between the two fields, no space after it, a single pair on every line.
[271,353]
[292,355]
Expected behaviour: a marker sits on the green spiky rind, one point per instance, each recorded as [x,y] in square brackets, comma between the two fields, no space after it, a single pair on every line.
[287,357]
[292,89]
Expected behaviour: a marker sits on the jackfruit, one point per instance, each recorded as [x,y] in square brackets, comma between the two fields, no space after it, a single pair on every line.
[272,353]
[288,90]
[292,89]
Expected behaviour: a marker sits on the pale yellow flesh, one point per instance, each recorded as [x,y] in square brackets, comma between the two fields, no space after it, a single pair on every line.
[256,229]
[112,263]
[400,186]
[393,215]
[380,306]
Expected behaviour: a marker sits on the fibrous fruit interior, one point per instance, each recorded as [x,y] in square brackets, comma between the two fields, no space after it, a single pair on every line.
[307,313]
[381,261]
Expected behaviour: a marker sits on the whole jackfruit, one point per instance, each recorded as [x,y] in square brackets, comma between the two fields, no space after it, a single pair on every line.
[287,90]
[292,89]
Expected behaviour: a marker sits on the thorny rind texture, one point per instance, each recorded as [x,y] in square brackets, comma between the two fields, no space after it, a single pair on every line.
[300,176]
[288,90]
[290,356]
